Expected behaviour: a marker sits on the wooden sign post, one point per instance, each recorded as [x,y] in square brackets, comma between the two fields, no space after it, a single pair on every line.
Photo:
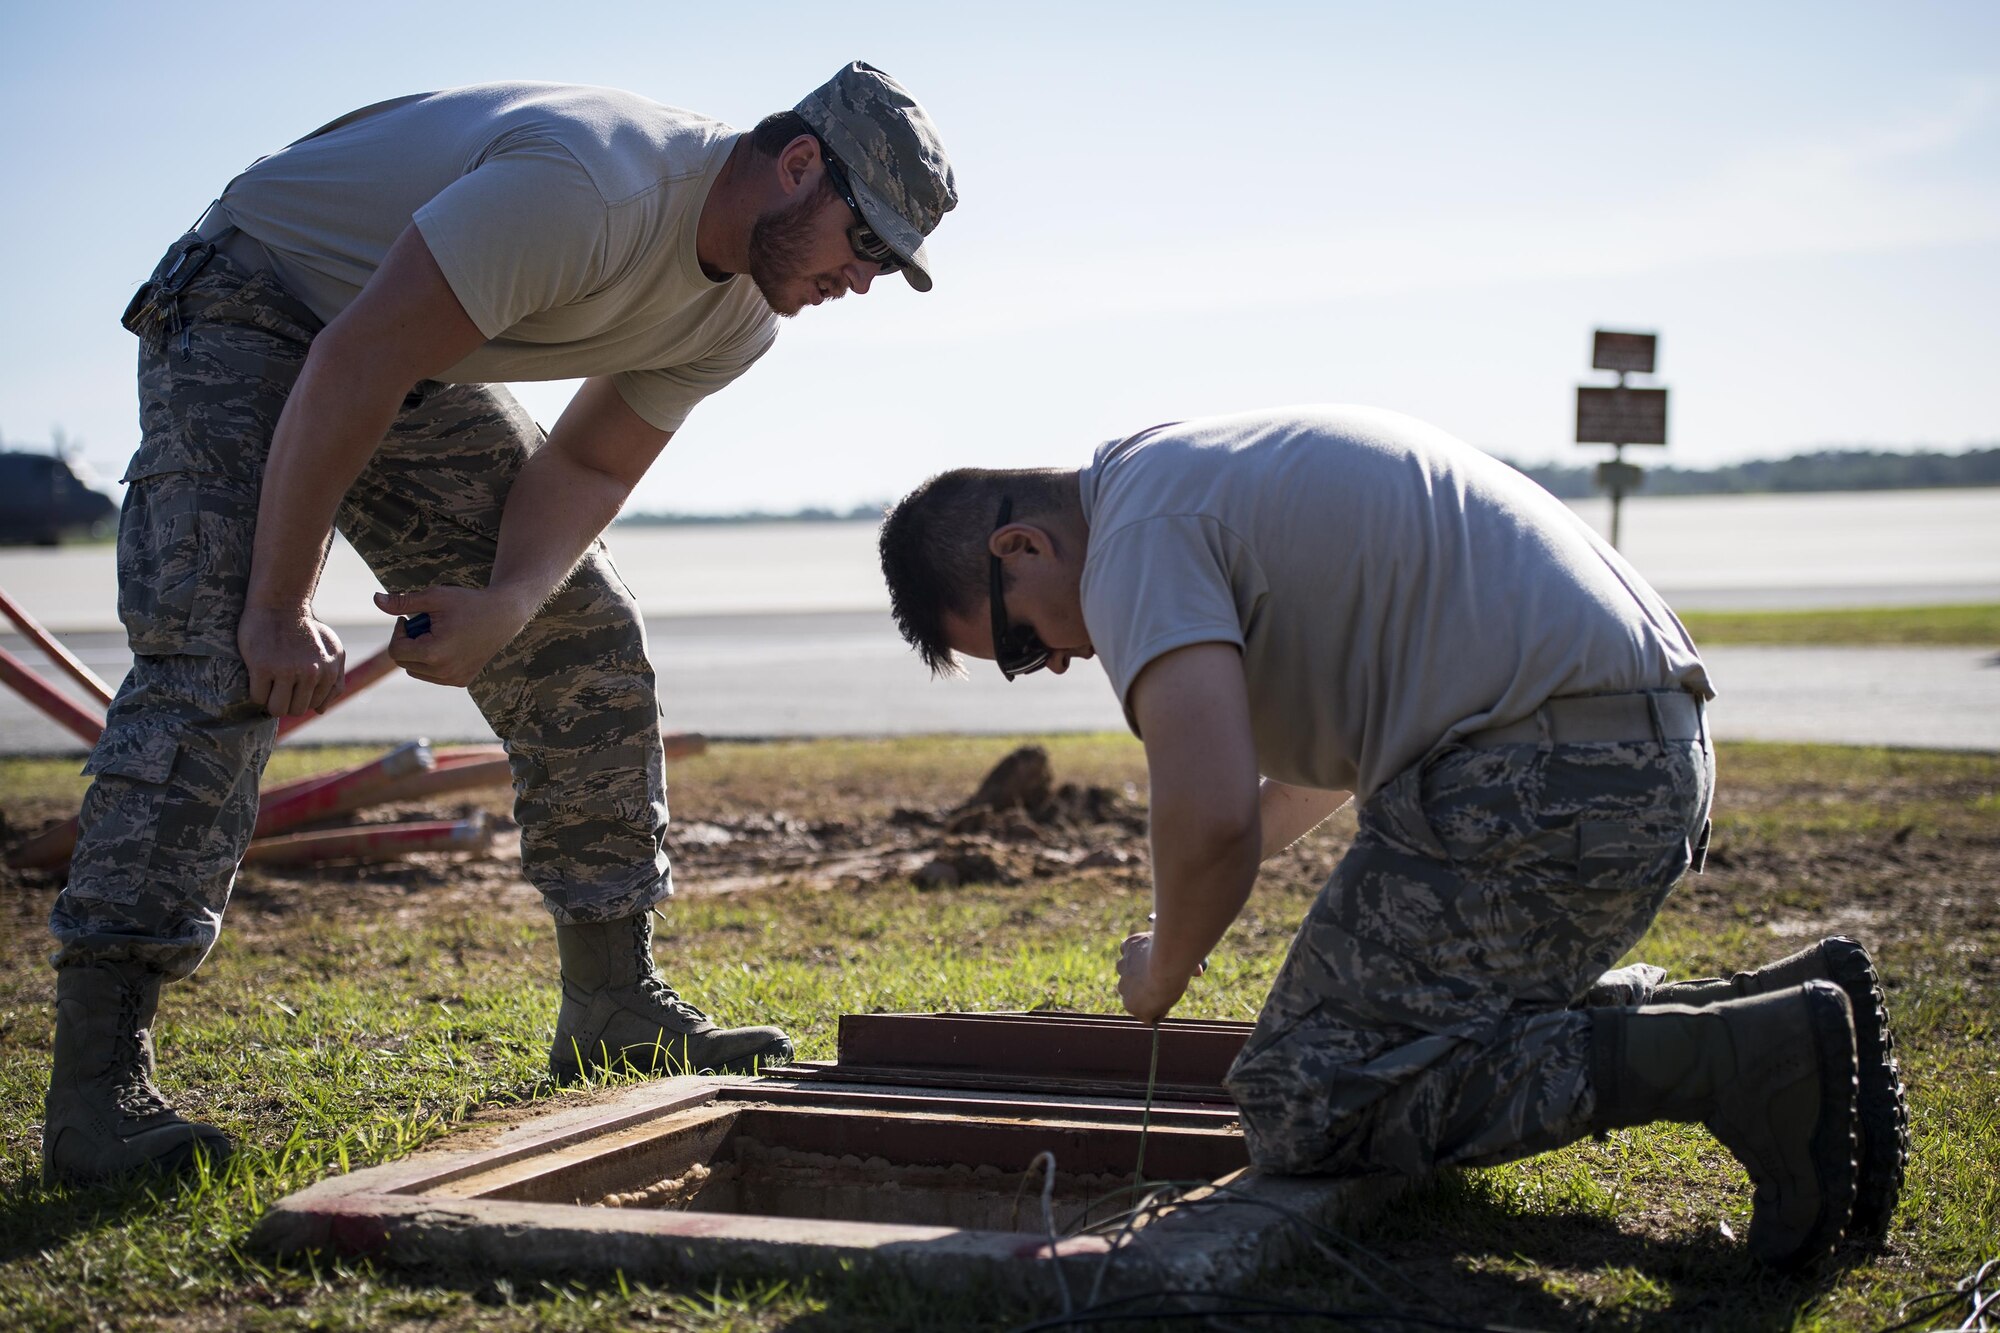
[1622,415]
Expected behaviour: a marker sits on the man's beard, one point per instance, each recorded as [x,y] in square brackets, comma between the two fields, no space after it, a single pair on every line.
[779,245]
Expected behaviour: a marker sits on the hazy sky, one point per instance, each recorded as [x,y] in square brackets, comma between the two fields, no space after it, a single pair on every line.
[1167,209]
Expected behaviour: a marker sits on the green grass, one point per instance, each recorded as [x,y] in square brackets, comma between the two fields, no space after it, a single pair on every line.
[1874,626]
[348,1018]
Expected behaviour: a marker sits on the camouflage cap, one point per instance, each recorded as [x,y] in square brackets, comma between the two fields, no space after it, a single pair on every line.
[894,159]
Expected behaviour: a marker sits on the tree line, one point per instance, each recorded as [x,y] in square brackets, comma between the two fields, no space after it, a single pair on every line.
[1821,470]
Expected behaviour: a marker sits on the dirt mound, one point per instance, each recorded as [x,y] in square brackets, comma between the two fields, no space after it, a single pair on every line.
[1018,824]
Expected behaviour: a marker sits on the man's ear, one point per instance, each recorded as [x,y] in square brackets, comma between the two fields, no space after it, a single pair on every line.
[1017,538]
[798,162]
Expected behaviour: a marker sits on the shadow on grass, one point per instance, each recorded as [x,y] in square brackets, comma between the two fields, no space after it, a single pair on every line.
[829,1302]
[34,1218]
[1489,1262]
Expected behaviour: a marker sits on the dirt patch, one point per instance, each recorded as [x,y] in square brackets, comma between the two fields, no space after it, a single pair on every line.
[1880,887]
[1020,825]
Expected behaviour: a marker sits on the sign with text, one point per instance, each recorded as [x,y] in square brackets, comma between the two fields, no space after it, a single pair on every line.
[1621,416]
[1631,353]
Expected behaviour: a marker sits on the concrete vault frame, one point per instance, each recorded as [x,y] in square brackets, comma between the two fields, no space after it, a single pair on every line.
[909,1157]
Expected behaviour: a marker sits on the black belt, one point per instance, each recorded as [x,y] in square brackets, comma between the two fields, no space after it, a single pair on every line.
[1591,719]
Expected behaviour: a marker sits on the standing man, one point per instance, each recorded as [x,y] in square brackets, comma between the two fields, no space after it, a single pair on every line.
[321,352]
[1346,600]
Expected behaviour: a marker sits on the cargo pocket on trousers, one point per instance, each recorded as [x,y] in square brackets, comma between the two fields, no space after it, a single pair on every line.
[132,766]
[184,546]
[1615,855]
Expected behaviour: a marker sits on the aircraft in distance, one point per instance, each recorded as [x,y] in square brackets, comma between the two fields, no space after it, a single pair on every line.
[44,498]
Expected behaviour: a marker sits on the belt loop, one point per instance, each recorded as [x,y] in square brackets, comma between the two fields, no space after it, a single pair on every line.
[1658,719]
[1545,723]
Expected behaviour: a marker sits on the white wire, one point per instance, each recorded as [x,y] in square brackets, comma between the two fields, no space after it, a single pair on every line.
[1049,1224]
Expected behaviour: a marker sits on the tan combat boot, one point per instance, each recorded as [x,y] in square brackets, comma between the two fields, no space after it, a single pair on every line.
[1884,1126]
[1772,1077]
[104,1118]
[618,1014]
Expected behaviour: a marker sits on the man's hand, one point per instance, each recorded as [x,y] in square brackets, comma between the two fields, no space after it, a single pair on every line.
[467,627]
[297,665]
[1147,995]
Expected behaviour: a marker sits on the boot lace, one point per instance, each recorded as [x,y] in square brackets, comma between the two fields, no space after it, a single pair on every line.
[669,999]
[650,985]
[132,1090]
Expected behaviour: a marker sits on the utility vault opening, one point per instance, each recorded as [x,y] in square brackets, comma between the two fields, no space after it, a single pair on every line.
[922,1152]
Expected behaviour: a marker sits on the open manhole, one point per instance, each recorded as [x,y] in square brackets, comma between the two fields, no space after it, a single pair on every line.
[945,1149]
[856,1156]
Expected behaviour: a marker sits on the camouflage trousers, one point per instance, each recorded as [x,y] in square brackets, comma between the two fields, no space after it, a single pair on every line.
[1423,1016]
[174,799]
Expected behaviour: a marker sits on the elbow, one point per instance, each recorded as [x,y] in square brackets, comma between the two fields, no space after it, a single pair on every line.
[1241,832]
[1229,840]
[356,366]
[1246,849]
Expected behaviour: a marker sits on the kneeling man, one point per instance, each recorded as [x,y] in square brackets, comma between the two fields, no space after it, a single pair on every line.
[1294,605]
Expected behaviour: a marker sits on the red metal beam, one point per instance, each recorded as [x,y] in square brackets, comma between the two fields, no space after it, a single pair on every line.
[445,779]
[54,651]
[371,842]
[278,807]
[342,793]
[57,707]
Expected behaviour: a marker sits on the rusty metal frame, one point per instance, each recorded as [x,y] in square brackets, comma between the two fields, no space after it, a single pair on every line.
[1054,1050]
[511,1202]
[933,1097]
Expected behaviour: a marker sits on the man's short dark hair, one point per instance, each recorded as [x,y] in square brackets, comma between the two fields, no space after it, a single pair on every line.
[933,548]
[776,130]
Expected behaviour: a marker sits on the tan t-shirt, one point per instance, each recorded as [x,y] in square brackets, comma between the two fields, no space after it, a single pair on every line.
[1389,586]
[563,218]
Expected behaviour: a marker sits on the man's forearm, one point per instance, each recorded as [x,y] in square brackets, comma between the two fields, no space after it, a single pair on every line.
[554,510]
[1203,871]
[405,325]
[328,431]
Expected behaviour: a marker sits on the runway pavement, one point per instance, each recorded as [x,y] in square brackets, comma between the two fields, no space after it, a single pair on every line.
[846,673]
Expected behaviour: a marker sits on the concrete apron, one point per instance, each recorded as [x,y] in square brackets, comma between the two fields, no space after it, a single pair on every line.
[632,1186]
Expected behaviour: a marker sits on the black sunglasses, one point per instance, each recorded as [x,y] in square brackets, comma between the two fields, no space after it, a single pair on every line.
[867,246]
[1017,650]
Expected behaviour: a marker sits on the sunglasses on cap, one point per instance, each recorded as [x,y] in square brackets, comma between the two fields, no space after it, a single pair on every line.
[867,245]
[1017,650]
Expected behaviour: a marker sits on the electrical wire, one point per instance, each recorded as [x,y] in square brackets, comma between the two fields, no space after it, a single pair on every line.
[1117,1241]
[1146,1116]
[1968,1291]
[1049,1222]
